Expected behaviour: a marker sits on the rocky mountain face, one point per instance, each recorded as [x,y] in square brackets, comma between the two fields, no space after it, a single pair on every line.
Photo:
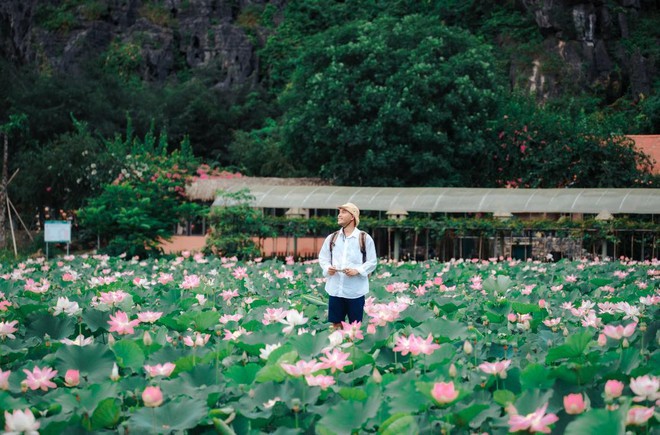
[587,36]
[171,35]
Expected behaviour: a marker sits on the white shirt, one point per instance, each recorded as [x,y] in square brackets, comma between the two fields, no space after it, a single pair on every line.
[346,254]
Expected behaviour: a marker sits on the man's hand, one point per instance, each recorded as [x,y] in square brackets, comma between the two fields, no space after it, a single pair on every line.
[332,270]
[351,272]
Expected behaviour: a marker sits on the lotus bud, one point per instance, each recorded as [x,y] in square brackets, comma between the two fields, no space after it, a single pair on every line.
[47,342]
[24,386]
[467,347]
[378,378]
[152,397]
[251,393]
[625,343]
[602,340]
[72,378]
[295,405]
[146,339]
[642,326]
[565,332]
[111,339]
[114,374]
[452,370]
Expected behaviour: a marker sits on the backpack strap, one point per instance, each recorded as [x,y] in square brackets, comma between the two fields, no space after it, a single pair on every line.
[362,241]
[332,242]
[363,246]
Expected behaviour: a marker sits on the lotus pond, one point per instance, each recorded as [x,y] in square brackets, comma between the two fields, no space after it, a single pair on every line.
[206,345]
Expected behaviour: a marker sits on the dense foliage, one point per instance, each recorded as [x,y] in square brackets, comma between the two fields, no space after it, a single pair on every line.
[395,92]
[141,206]
[211,344]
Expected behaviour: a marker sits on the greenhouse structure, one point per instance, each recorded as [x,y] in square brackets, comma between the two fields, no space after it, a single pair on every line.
[575,222]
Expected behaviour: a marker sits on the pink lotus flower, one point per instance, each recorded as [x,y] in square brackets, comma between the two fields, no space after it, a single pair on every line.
[149,316]
[571,278]
[199,341]
[4,305]
[79,341]
[160,369]
[302,368]
[4,379]
[240,273]
[37,287]
[112,298]
[152,397]
[537,421]
[21,422]
[228,295]
[320,381]
[444,392]
[72,378]
[497,369]
[120,324]
[574,404]
[190,282]
[335,360]
[164,278]
[40,379]
[639,415]
[273,315]
[418,345]
[618,332]
[613,389]
[646,388]
[352,331]
[226,318]
[7,329]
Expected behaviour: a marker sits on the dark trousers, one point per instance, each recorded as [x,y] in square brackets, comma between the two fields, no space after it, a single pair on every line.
[339,308]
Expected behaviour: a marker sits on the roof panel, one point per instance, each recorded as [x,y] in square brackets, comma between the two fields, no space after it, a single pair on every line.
[455,200]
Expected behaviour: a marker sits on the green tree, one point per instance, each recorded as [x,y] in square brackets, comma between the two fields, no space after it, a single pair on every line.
[391,102]
[540,147]
[140,208]
[234,224]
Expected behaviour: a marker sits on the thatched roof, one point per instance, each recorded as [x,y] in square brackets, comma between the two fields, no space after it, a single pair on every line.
[206,189]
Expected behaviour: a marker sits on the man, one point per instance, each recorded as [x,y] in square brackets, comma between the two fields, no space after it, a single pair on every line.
[347,258]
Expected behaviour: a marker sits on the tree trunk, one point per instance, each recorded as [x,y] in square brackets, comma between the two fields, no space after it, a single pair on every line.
[3,192]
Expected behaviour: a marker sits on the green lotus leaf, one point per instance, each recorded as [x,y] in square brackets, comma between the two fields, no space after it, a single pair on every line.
[94,361]
[129,354]
[307,345]
[95,319]
[465,416]
[399,424]
[199,321]
[179,414]
[521,308]
[598,422]
[574,347]
[536,376]
[446,329]
[242,375]
[41,324]
[499,284]
[106,414]
[269,373]
[354,394]
[344,417]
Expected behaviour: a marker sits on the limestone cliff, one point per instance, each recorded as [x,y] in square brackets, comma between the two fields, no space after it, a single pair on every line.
[586,38]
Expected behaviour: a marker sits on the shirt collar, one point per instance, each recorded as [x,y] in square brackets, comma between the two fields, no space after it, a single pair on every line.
[355,233]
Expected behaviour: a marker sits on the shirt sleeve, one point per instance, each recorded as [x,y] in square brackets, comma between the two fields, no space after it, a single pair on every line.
[324,256]
[372,259]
